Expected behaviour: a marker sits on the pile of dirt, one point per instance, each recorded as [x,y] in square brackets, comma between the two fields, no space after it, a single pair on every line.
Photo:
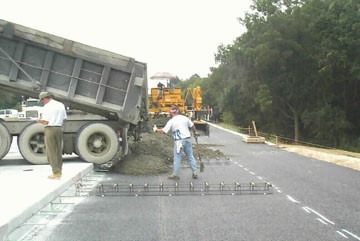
[153,155]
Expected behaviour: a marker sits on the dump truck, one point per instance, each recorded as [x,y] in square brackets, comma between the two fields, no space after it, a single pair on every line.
[105,94]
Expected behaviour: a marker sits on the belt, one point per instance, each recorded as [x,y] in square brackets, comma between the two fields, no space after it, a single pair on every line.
[52,126]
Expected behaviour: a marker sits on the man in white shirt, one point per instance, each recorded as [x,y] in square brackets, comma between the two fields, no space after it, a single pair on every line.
[53,116]
[179,125]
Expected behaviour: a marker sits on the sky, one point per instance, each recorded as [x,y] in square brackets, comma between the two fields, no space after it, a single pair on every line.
[175,36]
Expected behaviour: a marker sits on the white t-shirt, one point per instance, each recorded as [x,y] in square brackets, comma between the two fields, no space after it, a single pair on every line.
[179,126]
[54,112]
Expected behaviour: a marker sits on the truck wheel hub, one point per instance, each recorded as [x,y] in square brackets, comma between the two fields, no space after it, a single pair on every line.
[97,143]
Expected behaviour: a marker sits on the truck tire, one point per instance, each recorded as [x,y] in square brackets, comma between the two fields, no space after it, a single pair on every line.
[5,141]
[124,143]
[31,144]
[96,143]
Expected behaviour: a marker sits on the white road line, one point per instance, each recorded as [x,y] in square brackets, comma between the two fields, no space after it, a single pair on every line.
[322,221]
[356,237]
[252,173]
[246,169]
[343,235]
[260,178]
[318,214]
[306,210]
[235,162]
[279,191]
[292,199]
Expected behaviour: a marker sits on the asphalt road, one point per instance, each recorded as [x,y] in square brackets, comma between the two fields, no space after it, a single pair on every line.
[311,200]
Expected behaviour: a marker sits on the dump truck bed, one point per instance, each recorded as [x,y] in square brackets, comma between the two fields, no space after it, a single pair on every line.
[83,77]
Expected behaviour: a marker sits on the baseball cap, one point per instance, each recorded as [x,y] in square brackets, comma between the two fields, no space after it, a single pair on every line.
[174,109]
[43,95]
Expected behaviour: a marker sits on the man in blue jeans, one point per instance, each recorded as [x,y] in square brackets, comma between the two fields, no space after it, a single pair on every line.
[179,125]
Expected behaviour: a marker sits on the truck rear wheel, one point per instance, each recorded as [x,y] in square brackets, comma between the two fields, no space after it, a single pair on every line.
[97,143]
[31,144]
[5,141]
[124,143]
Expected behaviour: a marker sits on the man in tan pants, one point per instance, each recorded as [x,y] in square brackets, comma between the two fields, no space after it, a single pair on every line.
[53,116]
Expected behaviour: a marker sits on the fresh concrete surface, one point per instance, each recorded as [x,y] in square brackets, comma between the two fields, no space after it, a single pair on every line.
[25,189]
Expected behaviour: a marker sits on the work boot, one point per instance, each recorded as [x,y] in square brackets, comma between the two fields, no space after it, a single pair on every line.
[173,177]
[55,176]
[195,176]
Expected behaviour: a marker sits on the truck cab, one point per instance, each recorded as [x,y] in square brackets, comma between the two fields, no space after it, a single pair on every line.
[31,109]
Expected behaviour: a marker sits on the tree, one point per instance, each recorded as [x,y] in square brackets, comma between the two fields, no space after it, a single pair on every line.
[297,66]
[339,59]
[277,48]
[10,100]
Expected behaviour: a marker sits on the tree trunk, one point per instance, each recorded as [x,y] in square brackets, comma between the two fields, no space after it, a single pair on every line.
[296,127]
[297,122]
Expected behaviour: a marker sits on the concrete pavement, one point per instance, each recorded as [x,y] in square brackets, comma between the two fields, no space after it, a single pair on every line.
[25,188]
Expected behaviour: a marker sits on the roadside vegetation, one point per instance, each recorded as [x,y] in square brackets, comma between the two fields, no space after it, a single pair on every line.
[10,100]
[295,71]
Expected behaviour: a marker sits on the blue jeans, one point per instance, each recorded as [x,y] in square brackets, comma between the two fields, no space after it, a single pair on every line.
[187,148]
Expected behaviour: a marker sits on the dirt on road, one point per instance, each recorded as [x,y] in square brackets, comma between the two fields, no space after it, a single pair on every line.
[153,155]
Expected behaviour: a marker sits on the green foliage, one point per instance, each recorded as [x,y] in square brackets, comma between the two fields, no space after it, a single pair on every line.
[9,100]
[263,98]
[326,123]
[228,117]
[296,71]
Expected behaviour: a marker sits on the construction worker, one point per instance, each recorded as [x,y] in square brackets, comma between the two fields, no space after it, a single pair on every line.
[179,125]
[53,116]
[160,90]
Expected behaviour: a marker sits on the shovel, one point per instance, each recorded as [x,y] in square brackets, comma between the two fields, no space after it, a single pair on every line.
[202,165]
